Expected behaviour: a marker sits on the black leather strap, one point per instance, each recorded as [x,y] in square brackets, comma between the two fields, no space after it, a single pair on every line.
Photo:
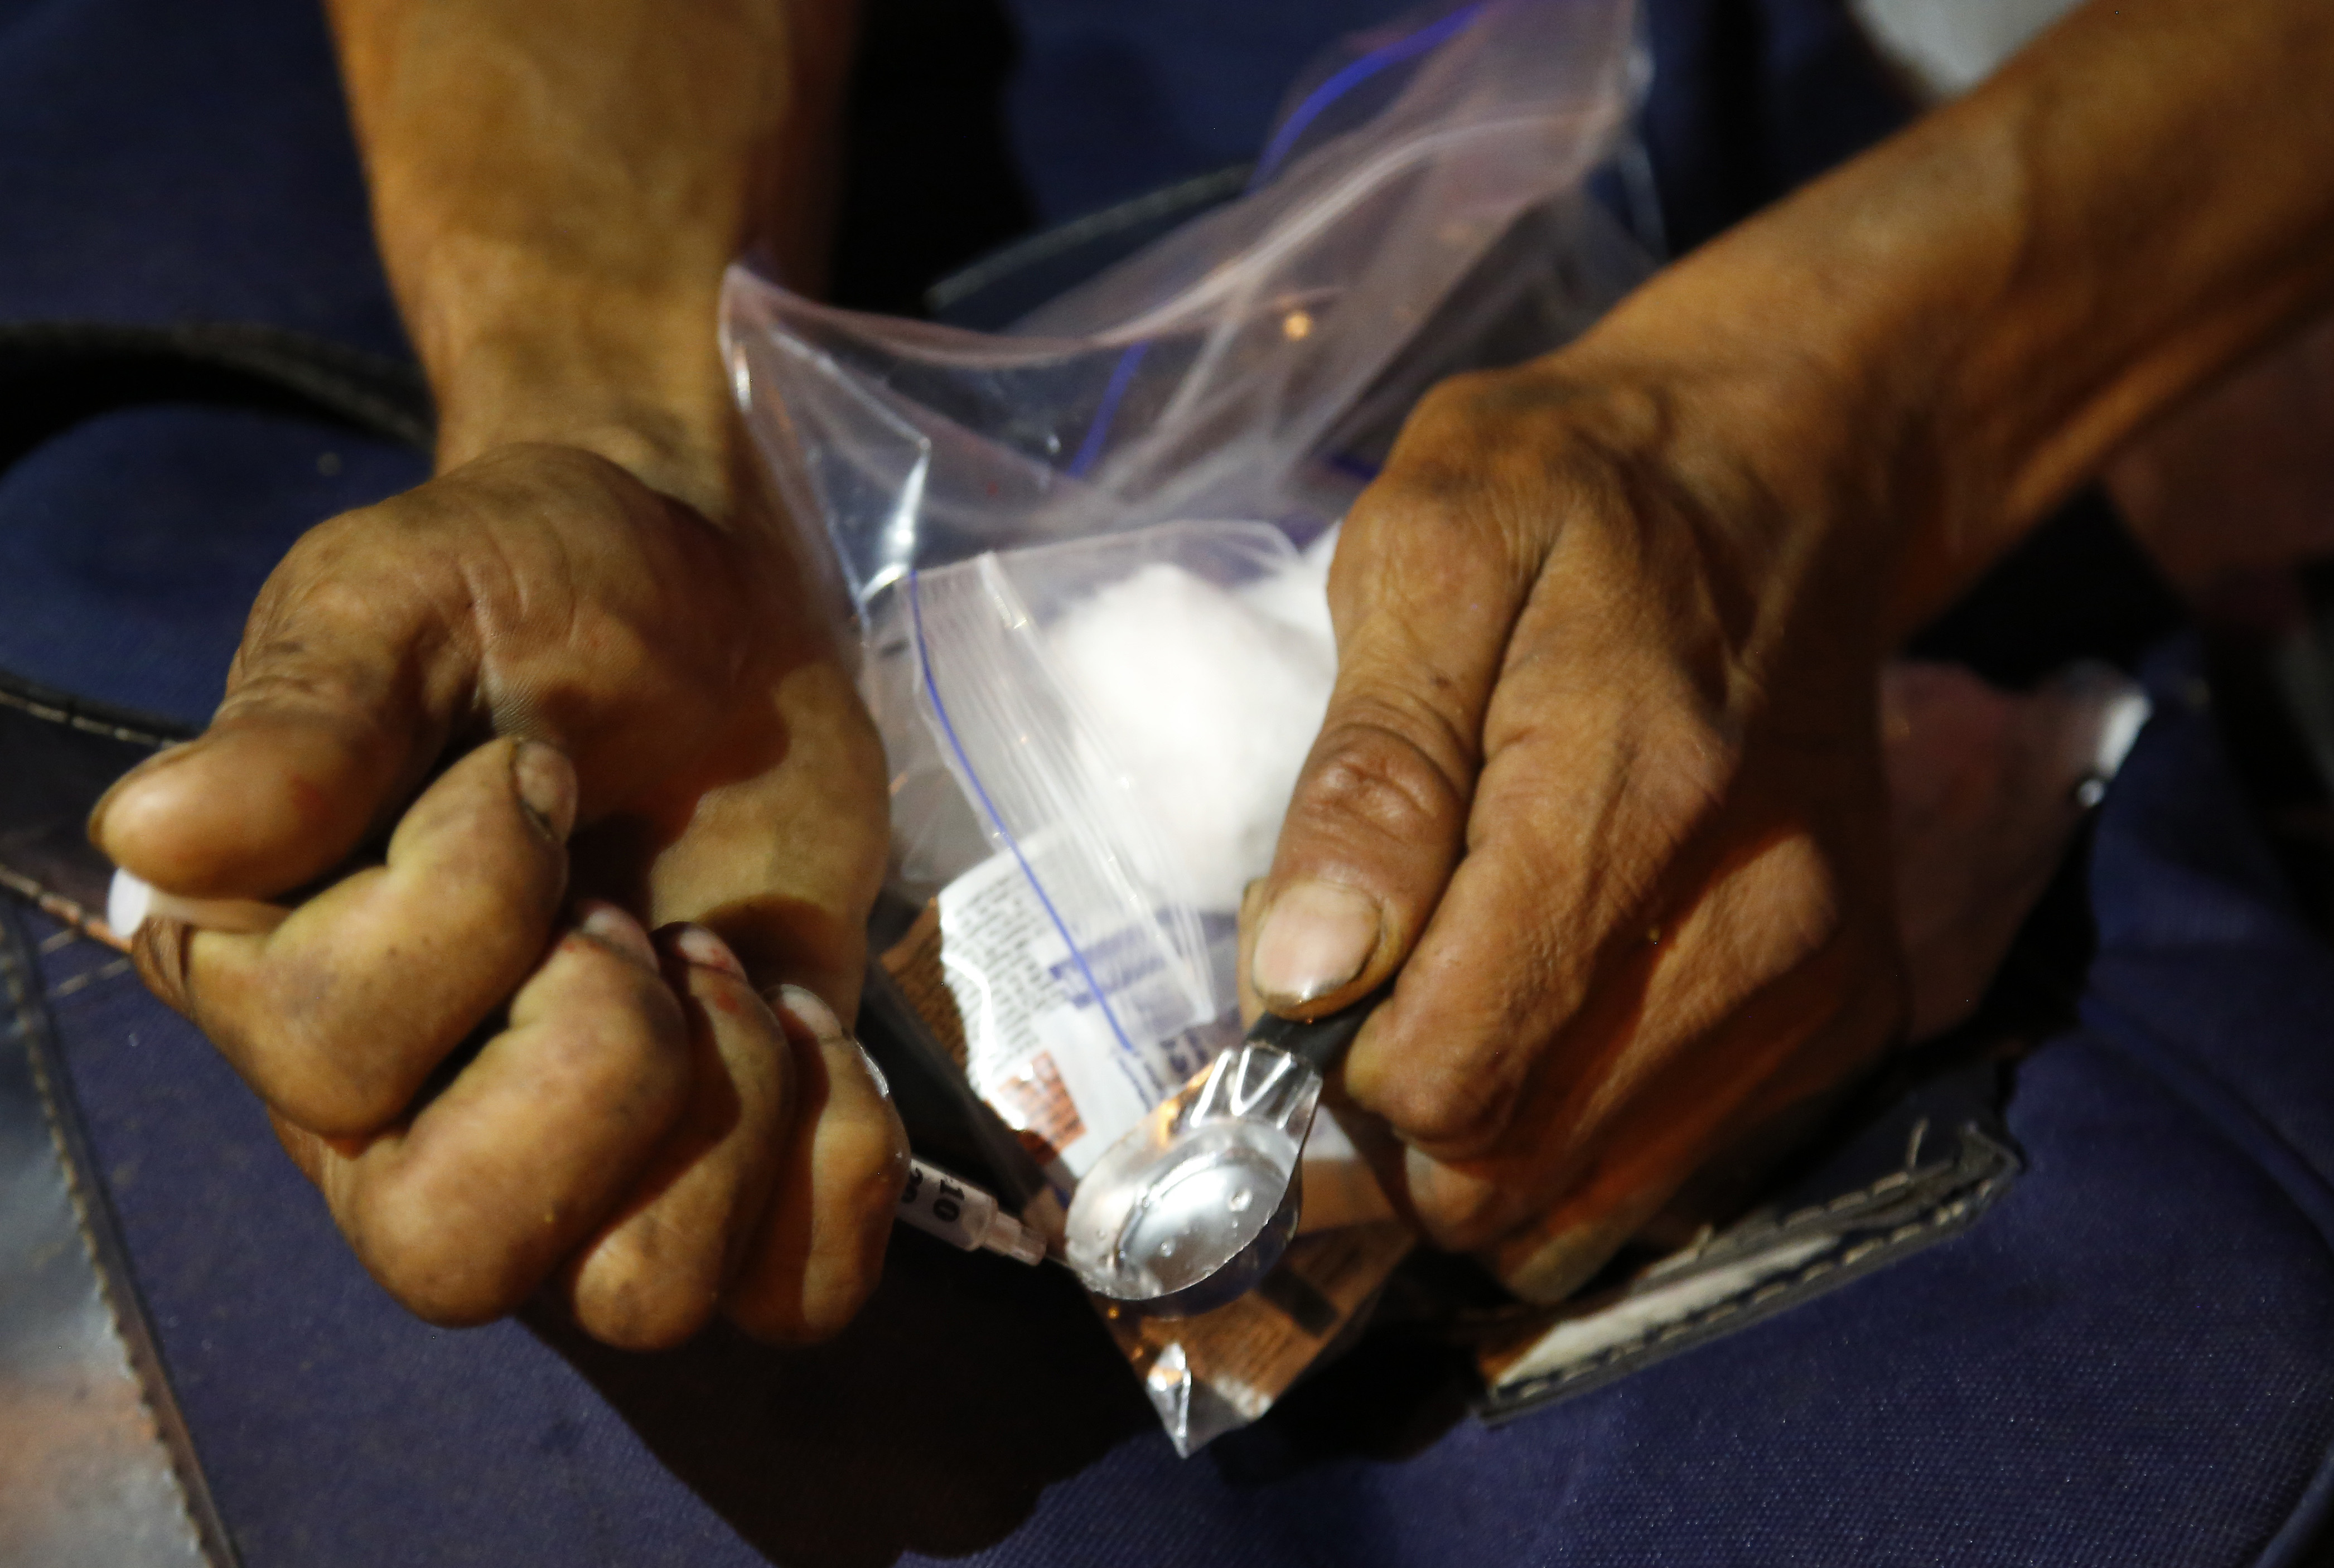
[62,751]
[55,374]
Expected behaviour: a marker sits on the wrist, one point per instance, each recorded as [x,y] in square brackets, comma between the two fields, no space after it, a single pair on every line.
[556,190]
[1790,409]
[1990,302]
[631,374]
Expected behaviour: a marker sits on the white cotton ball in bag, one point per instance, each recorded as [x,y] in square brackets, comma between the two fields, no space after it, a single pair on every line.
[1208,699]
[1297,596]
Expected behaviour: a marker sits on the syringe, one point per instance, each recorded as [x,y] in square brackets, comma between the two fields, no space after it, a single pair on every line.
[962,1215]
[935,1201]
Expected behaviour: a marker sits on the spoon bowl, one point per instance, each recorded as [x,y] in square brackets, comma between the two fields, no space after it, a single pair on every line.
[1197,1202]
[1179,1225]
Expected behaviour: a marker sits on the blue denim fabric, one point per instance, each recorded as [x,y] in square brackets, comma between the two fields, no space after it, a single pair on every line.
[161,163]
[1114,100]
[2124,1362]
[1749,98]
[133,544]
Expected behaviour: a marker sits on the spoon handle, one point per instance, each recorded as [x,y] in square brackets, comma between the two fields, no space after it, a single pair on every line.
[1318,1041]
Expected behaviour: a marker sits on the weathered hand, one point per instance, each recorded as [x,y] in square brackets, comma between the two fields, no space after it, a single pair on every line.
[1600,774]
[532,645]
[1601,777]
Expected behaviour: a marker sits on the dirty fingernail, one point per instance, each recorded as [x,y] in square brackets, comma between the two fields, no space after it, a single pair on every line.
[545,781]
[819,1018]
[613,926]
[1315,937]
[706,950]
[816,1015]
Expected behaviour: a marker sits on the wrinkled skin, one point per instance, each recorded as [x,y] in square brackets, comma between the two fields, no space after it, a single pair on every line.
[1601,777]
[1608,788]
[485,734]
[1600,784]
[641,1126]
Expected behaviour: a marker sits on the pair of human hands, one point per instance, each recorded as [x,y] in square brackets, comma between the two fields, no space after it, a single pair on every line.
[1600,779]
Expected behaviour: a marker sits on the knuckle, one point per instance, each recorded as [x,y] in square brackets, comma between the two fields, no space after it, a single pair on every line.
[610,999]
[1368,770]
[637,1297]
[310,1074]
[1460,1208]
[1456,405]
[434,1266]
[321,1056]
[1694,747]
[307,609]
[1453,1109]
[635,1068]
[1423,524]
[1493,429]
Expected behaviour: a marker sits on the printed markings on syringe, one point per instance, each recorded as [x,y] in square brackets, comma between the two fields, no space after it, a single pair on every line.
[964,1216]
[940,1204]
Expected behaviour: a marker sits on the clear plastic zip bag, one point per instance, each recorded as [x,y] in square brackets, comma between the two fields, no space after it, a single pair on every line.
[1096,640]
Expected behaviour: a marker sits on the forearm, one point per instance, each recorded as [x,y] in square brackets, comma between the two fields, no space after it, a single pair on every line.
[1995,299]
[557,187]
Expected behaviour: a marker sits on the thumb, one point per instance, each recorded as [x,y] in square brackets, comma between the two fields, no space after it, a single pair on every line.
[327,726]
[1378,820]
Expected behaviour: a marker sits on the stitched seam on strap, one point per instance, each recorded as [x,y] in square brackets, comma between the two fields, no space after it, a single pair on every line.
[81,721]
[1874,1251]
[56,906]
[1954,1211]
[28,1022]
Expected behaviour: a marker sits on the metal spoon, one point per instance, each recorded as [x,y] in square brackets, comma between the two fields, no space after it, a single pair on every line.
[1197,1202]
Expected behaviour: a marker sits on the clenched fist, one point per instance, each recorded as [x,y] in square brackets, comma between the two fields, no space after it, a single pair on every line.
[551,706]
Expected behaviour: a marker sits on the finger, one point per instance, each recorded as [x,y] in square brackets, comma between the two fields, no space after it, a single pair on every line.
[337,1016]
[821,1247]
[657,1274]
[1600,776]
[1758,919]
[1718,1108]
[336,706]
[1251,915]
[1424,588]
[1761,994]
[463,1213]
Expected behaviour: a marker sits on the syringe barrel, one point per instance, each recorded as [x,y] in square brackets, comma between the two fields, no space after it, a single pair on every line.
[947,1207]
